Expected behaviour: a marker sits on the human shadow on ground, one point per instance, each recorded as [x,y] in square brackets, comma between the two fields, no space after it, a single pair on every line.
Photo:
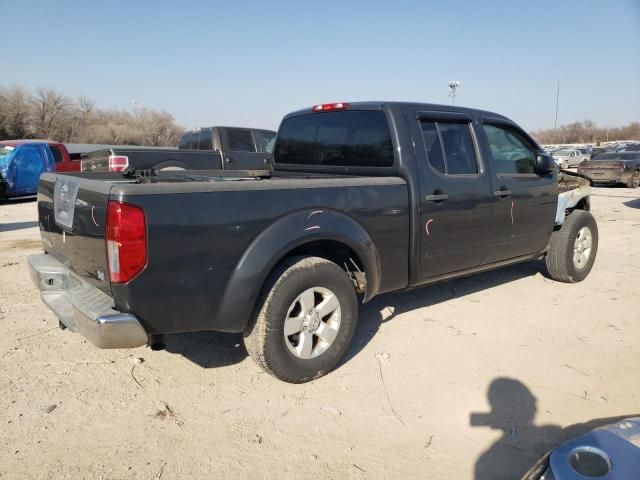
[633,203]
[10,227]
[513,409]
[213,349]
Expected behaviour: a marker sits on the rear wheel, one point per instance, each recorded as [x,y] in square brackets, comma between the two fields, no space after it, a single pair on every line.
[573,248]
[305,320]
[634,181]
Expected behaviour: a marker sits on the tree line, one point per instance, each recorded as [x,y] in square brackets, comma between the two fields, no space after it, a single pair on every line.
[587,132]
[49,114]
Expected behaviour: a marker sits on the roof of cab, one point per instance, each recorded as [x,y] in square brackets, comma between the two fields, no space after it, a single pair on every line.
[379,105]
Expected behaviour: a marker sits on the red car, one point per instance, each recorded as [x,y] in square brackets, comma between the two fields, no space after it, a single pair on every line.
[64,160]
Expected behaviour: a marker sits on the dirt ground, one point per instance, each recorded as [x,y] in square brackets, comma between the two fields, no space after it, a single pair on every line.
[472,379]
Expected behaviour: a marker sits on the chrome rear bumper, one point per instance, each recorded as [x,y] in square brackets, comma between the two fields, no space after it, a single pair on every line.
[83,308]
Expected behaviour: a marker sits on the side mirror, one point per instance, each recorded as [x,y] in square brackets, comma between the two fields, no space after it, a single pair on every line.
[545,164]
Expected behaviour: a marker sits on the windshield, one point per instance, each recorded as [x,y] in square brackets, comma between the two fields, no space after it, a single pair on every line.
[563,152]
[5,153]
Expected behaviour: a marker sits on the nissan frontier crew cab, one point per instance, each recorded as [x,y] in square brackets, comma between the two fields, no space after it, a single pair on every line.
[363,199]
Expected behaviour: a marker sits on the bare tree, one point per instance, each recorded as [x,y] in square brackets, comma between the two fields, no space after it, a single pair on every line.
[50,113]
[14,113]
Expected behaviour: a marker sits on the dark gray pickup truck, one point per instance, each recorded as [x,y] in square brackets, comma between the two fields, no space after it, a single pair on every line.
[364,198]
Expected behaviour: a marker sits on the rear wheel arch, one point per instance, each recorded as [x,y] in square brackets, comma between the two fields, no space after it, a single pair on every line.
[321,233]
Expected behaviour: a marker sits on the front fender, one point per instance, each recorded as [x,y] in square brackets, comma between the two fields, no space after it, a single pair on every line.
[275,242]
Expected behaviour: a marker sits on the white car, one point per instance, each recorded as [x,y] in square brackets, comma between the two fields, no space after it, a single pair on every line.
[569,157]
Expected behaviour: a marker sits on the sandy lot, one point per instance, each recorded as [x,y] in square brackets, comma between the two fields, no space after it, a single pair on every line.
[539,361]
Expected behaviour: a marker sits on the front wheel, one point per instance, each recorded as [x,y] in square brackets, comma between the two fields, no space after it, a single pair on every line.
[305,321]
[573,248]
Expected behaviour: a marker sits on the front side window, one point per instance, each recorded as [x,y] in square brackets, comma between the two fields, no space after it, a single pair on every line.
[57,155]
[450,147]
[342,138]
[510,152]
[264,140]
[240,140]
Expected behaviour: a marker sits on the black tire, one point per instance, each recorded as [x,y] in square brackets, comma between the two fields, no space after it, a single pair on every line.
[264,337]
[560,257]
[634,181]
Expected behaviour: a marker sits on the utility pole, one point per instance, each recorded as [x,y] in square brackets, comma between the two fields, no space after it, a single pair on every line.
[453,91]
[555,125]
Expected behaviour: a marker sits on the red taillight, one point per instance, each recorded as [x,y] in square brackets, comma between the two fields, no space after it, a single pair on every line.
[117,163]
[325,107]
[126,241]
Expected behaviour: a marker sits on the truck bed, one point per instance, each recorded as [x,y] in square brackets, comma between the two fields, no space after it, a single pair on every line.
[200,229]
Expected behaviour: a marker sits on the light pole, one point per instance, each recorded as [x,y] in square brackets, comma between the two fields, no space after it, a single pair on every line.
[453,91]
[555,125]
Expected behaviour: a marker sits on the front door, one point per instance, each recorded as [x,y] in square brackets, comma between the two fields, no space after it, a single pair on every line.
[455,190]
[525,202]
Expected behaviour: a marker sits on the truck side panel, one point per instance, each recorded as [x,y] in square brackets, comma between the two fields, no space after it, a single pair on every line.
[196,240]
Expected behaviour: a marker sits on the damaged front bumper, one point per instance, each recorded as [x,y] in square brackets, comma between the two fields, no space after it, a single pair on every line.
[83,308]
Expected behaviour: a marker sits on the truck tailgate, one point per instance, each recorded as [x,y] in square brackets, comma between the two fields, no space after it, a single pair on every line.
[72,217]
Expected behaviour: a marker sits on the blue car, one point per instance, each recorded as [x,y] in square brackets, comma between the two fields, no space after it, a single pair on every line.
[21,163]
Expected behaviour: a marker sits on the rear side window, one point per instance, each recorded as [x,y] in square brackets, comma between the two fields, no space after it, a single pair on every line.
[205,140]
[450,147]
[346,138]
[57,155]
[240,140]
[510,152]
[263,140]
[185,141]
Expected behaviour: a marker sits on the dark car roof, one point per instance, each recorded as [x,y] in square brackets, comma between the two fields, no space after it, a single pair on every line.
[222,126]
[379,105]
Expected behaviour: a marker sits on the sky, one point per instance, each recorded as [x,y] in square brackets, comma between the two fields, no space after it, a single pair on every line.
[249,63]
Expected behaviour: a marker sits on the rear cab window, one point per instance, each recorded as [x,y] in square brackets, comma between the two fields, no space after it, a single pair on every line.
[341,138]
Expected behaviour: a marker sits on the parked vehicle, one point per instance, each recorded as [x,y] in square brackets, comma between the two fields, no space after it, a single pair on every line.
[611,452]
[117,159]
[63,160]
[241,148]
[568,157]
[364,198]
[585,153]
[616,167]
[21,163]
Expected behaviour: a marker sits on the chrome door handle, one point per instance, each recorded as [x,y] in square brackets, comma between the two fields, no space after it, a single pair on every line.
[437,197]
[502,193]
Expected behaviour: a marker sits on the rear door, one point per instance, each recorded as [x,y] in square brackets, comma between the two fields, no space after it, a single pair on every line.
[240,152]
[455,188]
[525,202]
